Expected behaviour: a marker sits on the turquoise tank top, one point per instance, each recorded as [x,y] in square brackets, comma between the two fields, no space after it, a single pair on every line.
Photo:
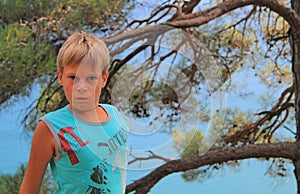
[92,156]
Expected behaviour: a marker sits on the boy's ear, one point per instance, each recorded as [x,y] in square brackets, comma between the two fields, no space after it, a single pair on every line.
[105,78]
[59,75]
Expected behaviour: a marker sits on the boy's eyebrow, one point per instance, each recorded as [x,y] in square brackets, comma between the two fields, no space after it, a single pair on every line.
[70,73]
[94,74]
[90,74]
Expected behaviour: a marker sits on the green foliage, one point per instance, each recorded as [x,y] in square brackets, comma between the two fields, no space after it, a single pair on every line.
[22,60]
[11,183]
[273,75]
[32,32]
[53,98]
[190,142]
[92,15]
[15,10]
[235,121]
[72,12]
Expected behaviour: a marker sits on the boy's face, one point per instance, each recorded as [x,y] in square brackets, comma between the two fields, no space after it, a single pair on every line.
[82,85]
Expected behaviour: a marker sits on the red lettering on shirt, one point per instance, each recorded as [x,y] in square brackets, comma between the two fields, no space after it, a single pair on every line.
[67,147]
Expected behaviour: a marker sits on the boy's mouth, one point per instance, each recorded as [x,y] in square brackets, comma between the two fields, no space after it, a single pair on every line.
[81,99]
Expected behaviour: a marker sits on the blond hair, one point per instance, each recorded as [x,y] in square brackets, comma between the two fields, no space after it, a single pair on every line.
[82,48]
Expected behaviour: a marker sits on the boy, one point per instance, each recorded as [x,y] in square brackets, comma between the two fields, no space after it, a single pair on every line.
[84,142]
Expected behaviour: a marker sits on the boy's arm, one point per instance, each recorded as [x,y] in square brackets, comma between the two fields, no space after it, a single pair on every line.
[42,149]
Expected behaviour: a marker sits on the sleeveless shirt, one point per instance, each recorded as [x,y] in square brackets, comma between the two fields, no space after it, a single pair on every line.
[91,156]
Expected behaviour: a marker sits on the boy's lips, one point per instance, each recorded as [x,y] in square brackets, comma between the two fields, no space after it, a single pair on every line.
[81,99]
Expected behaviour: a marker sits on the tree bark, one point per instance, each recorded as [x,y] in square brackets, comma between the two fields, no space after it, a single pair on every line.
[295,48]
[219,155]
[205,16]
[202,17]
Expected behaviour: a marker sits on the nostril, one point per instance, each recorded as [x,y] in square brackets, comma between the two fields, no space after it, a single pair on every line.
[81,88]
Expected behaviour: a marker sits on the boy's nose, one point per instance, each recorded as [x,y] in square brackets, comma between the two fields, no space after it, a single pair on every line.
[81,87]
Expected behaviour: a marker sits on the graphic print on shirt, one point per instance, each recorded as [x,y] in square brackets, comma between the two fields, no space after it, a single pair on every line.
[68,146]
[98,176]
[115,143]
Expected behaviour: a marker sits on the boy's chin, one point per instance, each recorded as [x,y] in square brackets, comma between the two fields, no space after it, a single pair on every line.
[84,108]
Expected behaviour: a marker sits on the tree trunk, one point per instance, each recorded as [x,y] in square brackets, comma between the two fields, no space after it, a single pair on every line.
[295,47]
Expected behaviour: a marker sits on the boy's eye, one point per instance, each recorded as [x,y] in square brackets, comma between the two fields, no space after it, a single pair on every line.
[72,77]
[92,78]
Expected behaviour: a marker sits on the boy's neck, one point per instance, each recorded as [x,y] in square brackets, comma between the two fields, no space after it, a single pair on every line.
[96,115]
